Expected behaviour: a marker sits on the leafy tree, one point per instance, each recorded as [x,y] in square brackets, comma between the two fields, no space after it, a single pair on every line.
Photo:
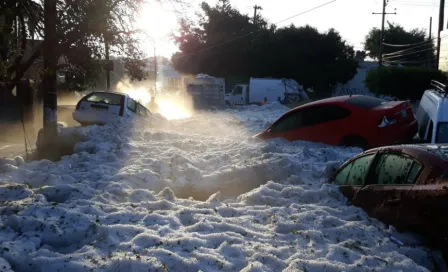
[226,43]
[82,29]
[402,82]
[417,52]
[19,20]
[360,55]
[215,28]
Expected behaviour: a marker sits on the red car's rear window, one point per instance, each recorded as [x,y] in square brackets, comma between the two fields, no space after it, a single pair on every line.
[366,102]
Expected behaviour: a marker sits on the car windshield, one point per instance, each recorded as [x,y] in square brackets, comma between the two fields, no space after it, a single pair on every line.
[366,102]
[442,133]
[106,98]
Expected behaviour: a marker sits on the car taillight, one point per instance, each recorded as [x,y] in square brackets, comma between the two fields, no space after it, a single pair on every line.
[387,121]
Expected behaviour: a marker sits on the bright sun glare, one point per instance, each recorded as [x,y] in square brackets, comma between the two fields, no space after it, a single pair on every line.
[171,107]
[158,21]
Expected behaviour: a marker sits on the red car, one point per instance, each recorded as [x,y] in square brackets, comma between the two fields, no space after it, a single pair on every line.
[405,186]
[357,120]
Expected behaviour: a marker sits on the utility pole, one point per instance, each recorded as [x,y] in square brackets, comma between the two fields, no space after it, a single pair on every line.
[429,39]
[256,7]
[430,28]
[441,19]
[384,13]
[50,98]
[155,71]
[108,65]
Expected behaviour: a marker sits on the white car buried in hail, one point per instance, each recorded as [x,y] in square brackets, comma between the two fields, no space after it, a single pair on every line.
[99,108]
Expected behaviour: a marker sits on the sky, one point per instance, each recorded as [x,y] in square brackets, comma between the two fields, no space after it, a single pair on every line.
[352,18]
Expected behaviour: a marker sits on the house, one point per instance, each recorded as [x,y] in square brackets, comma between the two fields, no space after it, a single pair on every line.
[171,80]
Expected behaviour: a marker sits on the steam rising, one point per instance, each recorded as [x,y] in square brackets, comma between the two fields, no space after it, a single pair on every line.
[171,105]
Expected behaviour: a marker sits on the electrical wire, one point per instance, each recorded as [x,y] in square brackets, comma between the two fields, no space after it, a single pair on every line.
[406,50]
[407,45]
[253,32]
[407,54]
[409,62]
[304,12]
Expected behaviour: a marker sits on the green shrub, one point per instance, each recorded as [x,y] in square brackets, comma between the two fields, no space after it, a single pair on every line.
[402,82]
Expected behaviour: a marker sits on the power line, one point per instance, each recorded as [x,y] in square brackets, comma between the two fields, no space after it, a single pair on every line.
[294,16]
[413,62]
[252,32]
[405,45]
[216,45]
[406,50]
[383,14]
[407,54]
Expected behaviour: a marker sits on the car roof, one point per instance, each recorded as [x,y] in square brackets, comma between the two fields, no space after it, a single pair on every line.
[109,92]
[439,151]
[438,104]
[433,155]
[335,100]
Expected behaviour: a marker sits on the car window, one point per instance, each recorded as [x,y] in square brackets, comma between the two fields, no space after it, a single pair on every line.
[354,173]
[132,104]
[238,90]
[341,177]
[423,120]
[395,169]
[322,114]
[359,170]
[442,133]
[105,98]
[288,122]
[413,173]
[141,110]
[366,102]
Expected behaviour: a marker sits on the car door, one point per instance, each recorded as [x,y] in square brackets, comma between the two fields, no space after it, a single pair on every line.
[351,177]
[427,202]
[323,124]
[316,123]
[286,124]
[236,97]
[389,184]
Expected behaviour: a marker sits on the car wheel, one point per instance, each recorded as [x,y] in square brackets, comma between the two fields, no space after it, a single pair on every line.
[355,141]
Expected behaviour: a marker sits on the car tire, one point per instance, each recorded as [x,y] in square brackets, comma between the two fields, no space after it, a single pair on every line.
[355,141]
